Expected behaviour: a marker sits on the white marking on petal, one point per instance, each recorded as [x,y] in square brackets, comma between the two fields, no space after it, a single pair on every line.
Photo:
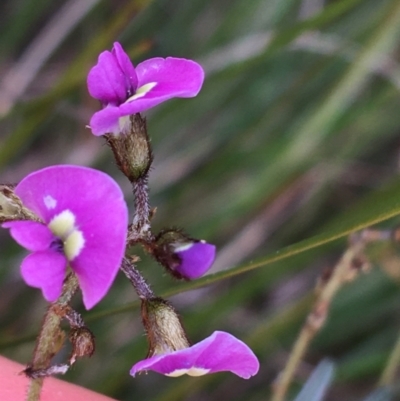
[140,92]
[197,371]
[190,372]
[177,373]
[62,224]
[74,244]
[50,202]
[184,247]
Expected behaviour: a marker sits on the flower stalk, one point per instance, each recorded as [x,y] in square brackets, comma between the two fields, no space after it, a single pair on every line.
[138,282]
[50,338]
[140,230]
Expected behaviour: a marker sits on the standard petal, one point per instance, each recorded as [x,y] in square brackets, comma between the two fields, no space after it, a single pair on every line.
[166,79]
[176,77]
[45,270]
[196,259]
[31,235]
[106,81]
[219,352]
[52,190]
[126,66]
[105,231]
[106,121]
[100,214]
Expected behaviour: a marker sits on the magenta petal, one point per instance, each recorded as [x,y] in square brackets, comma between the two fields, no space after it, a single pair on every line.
[45,270]
[124,90]
[173,77]
[219,352]
[196,259]
[101,215]
[126,66]
[104,223]
[31,235]
[106,80]
[176,76]
[106,121]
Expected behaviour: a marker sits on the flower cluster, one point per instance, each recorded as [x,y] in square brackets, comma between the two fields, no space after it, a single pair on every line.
[76,218]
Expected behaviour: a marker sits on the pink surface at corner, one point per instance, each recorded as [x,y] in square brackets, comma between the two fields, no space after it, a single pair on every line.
[13,386]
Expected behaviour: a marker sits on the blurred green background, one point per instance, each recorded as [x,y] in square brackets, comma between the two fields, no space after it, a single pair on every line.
[296,127]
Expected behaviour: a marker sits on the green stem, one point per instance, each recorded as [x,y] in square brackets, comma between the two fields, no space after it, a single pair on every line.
[51,337]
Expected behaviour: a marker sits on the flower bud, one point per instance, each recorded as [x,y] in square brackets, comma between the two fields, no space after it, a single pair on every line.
[163,327]
[184,257]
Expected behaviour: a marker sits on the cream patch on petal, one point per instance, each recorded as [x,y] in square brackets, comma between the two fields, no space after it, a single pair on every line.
[140,92]
[62,224]
[197,371]
[184,247]
[190,372]
[74,244]
[50,202]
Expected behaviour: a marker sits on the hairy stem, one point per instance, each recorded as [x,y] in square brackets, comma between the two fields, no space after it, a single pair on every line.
[50,338]
[142,289]
[141,220]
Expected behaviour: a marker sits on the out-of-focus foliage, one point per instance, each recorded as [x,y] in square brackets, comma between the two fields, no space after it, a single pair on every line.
[318,383]
[295,133]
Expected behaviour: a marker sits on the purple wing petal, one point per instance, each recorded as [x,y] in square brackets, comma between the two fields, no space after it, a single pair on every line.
[131,80]
[100,212]
[106,121]
[45,270]
[106,80]
[219,352]
[196,259]
[31,235]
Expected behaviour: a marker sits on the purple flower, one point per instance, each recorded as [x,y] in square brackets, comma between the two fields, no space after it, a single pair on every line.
[125,90]
[195,259]
[218,353]
[182,256]
[84,226]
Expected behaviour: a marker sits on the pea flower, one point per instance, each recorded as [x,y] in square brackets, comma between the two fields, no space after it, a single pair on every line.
[84,225]
[217,353]
[184,257]
[125,90]
[195,259]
